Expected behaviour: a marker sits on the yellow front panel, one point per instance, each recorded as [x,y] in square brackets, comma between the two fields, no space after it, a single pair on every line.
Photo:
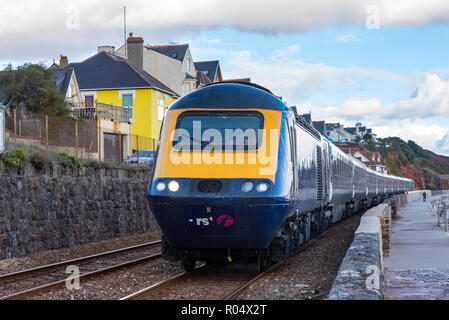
[261,163]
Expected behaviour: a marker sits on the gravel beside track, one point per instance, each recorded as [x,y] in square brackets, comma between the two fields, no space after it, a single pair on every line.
[310,273]
[53,256]
[118,283]
[34,278]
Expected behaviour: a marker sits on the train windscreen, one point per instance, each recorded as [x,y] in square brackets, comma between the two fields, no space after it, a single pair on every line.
[219,130]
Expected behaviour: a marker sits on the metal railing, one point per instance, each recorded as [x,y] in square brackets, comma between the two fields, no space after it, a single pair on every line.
[101,111]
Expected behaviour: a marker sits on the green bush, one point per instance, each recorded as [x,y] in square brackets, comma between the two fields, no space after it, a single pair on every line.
[68,161]
[13,159]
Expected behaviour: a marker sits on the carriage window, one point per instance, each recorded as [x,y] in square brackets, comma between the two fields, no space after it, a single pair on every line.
[226,130]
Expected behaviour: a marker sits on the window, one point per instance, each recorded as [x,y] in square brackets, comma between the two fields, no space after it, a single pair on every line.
[160,109]
[234,130]
[127,102]
[89,101]
[187,88]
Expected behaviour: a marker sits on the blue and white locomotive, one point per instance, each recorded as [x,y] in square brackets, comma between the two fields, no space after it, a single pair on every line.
[238,175]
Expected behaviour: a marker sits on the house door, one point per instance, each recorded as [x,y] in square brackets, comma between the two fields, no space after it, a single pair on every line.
[112,149]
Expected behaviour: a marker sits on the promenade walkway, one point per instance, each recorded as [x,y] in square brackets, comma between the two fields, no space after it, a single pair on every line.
[418,264]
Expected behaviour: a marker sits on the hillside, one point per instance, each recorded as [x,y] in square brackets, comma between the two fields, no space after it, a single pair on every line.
[410,160]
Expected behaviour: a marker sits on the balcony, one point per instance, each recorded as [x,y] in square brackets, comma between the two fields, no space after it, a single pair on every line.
[102,111]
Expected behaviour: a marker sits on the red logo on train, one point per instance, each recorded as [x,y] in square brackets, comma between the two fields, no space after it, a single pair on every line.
[226,220]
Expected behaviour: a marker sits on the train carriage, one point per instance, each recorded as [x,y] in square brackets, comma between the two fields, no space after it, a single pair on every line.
[238,175]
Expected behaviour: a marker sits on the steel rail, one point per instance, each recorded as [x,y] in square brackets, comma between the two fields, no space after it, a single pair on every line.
[135,295]
[66,262]
[61,283]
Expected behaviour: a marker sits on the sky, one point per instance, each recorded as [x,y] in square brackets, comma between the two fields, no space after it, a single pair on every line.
[384,63]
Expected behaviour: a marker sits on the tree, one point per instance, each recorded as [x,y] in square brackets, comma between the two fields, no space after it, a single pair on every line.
[368,138]
[32,86]
[357,139]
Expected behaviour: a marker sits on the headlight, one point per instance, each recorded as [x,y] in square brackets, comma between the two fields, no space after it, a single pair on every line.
[247,186]
[173,186]
[262,187]
[160,186]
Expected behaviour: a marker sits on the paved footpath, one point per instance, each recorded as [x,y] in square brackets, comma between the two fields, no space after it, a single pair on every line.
[418,265]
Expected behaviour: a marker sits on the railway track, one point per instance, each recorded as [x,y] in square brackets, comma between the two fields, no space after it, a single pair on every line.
[206,282]
[30,282]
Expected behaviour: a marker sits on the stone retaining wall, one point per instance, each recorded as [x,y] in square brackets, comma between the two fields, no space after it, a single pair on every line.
[62,207]
[360,276]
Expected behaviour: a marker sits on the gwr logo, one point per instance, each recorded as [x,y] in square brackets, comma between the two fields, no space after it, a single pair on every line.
[226,220]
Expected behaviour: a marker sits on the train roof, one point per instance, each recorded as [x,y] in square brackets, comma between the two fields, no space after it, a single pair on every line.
[231,95]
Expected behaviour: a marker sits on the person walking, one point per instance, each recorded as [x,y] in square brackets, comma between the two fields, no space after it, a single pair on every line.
[424,197]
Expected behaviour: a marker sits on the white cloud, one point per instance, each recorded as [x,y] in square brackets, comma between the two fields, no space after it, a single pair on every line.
[347,38]
[431,98]
[442,145]
[43,24]
[292,78]
[359,108]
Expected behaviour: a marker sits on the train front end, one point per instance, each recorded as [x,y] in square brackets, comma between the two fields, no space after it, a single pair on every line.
[218,189]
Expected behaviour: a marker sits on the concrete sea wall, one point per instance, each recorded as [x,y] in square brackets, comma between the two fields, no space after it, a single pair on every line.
[360,276]
[61,207]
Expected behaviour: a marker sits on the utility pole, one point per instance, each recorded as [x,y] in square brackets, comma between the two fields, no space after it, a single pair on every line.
[124,29]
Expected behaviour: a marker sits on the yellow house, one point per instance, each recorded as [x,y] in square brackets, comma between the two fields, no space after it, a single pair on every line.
[108,82]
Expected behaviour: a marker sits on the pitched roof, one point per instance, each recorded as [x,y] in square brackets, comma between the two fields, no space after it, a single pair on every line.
[209,68]
[307,117]
[62,78]
[177,51]
[320,126]
[107,71]
[351,130]
[204,79]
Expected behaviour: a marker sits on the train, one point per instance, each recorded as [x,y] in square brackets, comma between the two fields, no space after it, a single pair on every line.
[240,176]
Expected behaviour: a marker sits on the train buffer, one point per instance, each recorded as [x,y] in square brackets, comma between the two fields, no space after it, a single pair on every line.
[418,264]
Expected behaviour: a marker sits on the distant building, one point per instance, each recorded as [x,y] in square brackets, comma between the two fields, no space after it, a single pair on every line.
[368,158]
[307,117]
[170,64]
[320,126]
[67,84]
[361,131]
[336,132]
[117,90]
[208,72]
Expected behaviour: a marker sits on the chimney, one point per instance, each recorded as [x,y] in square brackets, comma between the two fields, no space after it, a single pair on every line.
[135,51]
[63,61]
[108,49]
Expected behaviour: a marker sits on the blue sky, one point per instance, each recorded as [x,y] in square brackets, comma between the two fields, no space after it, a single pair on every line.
[324,56]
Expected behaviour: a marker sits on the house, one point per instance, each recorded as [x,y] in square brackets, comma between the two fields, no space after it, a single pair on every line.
[171,64]
[320,126]
[125,99]
[370,159]
[361,131]
[208,72]
[336,132]
[67,84]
